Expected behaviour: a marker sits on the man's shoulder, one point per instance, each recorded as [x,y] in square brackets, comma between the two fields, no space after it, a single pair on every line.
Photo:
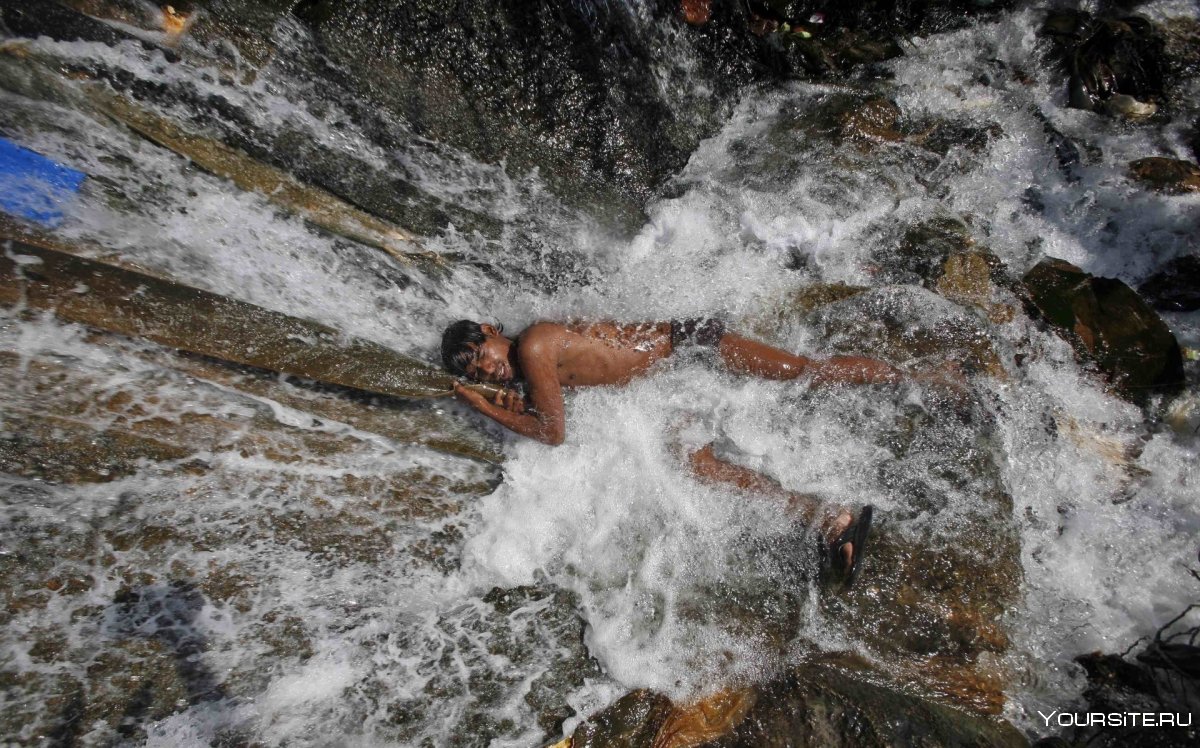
[540,337]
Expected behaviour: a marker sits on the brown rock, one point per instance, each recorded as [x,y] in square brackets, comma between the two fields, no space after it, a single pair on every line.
[1169,175]
[835,707]
[632,722]
[705,720]
[696,12]
[876,119]
[967,279]
[1109,325]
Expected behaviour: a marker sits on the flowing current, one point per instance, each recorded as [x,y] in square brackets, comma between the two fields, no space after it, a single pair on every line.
[285,578]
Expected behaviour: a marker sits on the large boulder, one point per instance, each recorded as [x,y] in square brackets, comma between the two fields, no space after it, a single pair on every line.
[1108,325]
[606,100]
[570,89]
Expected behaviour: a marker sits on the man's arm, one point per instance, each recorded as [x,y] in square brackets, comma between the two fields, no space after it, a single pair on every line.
[539,363]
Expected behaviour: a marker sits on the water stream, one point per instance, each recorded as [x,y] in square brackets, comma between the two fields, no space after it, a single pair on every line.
[279,578]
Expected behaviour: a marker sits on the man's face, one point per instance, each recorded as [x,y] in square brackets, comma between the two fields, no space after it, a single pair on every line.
[491,360]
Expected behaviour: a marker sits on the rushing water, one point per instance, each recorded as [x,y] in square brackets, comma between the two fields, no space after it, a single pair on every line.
[288,578]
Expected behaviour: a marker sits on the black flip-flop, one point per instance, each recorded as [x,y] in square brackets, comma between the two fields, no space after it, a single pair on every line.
[855,534]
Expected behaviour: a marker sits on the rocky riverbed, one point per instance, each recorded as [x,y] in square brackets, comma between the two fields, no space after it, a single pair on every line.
[195,550]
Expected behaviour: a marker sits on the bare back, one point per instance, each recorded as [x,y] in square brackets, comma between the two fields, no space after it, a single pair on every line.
[597,353]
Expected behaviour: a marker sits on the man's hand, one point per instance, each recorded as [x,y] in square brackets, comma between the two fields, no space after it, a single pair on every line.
[507,399]
[510,400]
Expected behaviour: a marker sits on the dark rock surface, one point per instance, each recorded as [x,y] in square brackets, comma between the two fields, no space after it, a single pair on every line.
[631,722]
[1176,286]
[1170,175]
[593,94]
[1108,57]
[1108,325]
[818,704]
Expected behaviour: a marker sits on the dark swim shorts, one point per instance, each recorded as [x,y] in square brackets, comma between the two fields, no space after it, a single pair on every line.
[700,331]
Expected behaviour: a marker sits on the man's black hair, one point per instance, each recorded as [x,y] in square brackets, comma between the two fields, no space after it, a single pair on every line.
[459,343]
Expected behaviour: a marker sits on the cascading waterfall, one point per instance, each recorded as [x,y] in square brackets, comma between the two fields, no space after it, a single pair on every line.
[186,563]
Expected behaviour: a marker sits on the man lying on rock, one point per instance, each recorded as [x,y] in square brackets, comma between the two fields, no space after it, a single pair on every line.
[548,357]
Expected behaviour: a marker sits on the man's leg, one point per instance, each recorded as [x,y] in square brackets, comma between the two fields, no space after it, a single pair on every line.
[757,359]
[833,521]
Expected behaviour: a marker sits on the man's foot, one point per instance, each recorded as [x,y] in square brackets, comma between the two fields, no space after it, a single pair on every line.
[844,551]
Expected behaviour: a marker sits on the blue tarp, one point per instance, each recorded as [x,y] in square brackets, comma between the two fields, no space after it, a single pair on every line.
[32,186]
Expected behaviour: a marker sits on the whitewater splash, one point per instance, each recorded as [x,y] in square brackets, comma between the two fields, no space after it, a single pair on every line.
[342,601]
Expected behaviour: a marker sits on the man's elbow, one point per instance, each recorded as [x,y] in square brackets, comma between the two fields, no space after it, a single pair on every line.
[553,436]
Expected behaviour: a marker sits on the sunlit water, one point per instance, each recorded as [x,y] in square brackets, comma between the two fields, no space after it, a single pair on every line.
[358,631]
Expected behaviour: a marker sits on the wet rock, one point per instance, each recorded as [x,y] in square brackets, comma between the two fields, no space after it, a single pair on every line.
[819,704]
[35,18]
[941,137]
[132,303]
[705,720]
[61,451]
[879,16]
[567,88]
[876,119]
[1124,105]
[696,12]
[967,279]
[1182,46]
[1183,415]
[909,326]
[832,54]
[1169,175]
[1158,680]
[632,722]
[796,305]
[1109,57]
[277,144]
[1108,325]
[922,250]
[1176,286]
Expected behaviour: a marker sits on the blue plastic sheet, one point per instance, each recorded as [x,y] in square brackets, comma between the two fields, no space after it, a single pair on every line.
[33,187]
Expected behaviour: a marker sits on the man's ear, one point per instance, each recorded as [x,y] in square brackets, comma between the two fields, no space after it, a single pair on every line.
[487,329]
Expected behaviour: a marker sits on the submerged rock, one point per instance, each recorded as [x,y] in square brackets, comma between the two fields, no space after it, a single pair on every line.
[909,326]
[968,278]
[876,119]
[709,718]
[922,250]
[1108,325]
